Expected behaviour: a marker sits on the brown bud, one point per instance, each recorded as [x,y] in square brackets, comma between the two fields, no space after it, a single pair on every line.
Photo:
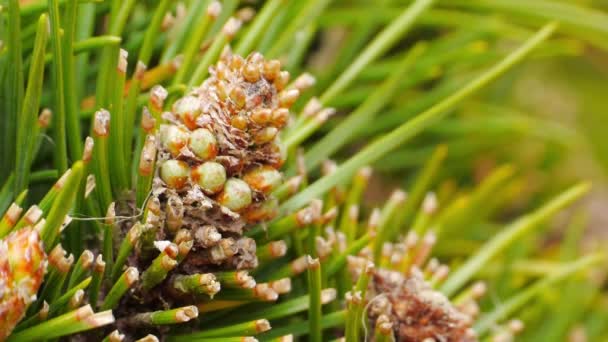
[280,116]
[239,122]
[236,62]
[261,116]
[271,69]
[251,73]
[222,92]
[281,82]
[265,135]
[220,71]
[238,97]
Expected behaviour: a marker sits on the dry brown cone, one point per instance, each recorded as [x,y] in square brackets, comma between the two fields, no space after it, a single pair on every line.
[404,290]
[417,310]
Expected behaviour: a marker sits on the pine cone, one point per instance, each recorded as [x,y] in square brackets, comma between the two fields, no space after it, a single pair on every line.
[417,310]
[219,158]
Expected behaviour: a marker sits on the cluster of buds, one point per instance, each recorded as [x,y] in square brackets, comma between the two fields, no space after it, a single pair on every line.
[23,264]
[217,156]
[403,278]
[402,294]
[218,160]
[415,309]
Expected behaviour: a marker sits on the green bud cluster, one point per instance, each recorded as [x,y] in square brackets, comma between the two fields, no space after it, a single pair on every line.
[222,138]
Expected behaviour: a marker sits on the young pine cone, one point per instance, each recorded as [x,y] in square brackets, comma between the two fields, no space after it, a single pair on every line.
[403,297]
[218,161]
[22,267]
[418,311]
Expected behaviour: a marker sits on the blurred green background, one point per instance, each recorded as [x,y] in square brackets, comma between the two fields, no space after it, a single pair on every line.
[548,118]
